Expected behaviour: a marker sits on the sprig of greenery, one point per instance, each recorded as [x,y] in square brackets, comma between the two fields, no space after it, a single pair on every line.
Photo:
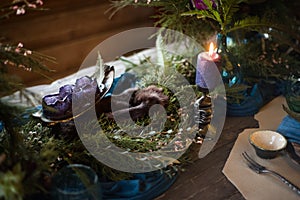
[19,7]
[15,55]
[20,57]
[223,16]
[11,183]
[27,152]
[169,15]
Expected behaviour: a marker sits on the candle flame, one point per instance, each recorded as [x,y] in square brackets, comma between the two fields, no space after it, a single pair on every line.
[211,49]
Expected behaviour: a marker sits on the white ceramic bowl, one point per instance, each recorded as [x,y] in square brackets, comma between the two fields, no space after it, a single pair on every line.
[267,143]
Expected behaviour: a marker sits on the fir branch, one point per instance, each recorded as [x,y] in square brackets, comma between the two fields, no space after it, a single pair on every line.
[222,15]
[252,23]
[266,23]
[201,14]
[228,8]
[169,16]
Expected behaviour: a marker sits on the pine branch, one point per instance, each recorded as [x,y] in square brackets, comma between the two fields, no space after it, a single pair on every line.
[201,14]
[228,9]
[252,23]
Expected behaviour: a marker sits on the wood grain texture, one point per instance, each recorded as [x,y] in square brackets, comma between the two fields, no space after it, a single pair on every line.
[68,31]
[204,179]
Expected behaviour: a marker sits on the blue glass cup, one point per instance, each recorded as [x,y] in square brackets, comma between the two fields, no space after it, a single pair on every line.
[76,182]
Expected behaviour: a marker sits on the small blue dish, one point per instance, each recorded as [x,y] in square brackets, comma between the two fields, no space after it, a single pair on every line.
[267,144]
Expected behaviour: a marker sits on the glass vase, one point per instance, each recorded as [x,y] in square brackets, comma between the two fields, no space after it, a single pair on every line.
[293,93]
[230,71]
[76,182]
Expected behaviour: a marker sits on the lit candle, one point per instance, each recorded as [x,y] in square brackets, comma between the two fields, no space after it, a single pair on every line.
[213,55]
[206,77]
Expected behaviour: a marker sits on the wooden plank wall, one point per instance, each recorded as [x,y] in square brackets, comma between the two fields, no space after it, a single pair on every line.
[68,31]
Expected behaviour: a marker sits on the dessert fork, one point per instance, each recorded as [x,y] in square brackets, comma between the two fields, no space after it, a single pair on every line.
[259,169]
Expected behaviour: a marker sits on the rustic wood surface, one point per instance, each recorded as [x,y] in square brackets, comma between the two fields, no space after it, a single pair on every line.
[68,31]
[204,179]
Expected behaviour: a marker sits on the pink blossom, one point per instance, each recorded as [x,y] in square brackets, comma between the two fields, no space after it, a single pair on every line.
[20,45]
[30,5]
[20,11]
[25,68]
[39,2]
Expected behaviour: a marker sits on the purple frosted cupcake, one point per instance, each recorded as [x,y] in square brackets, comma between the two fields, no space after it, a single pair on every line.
[83,93]
[86,92]
[58,106]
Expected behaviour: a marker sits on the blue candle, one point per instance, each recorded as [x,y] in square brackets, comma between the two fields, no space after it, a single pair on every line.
[206,76]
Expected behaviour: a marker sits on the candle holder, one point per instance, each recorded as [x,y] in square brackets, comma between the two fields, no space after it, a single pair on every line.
[206,78]
[203,113]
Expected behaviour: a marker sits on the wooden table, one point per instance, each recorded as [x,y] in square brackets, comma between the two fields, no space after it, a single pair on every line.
[204,178]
